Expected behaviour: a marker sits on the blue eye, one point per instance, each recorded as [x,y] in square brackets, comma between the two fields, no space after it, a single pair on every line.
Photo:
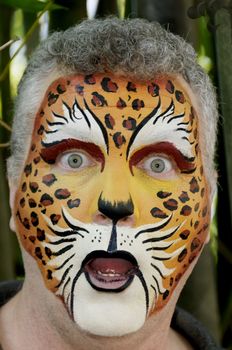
[75,160]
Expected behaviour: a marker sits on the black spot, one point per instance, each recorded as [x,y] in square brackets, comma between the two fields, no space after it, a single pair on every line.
[158,213]
[131,86]
[153,89]
[184,234]
[24,187]
[41,113]
[186,210]
[166,294]
[52,98]
[55,218]
[162,194]
[49,274]
[22,202]
[34,219]
[137,104]
[40,234]
[182,255]
[73,203]
[196,243]
[171,204]
[121,103]
[109,121]
[204,211]
[36,160]
[48,252]
[98,100]
[40,130]
[170,87]
[32,203]
[33,187]
[49,179]
[202,192]
[46,199]
[196,224]
[32,238]
[28,169]
[38,253]
[79,89]
[60,89]
[180,96]
[62,193]
[129,124]
[90,79]
[119,139]
[196,207]
[194,187]
[26,223]
[108,85]
[33,147]
[184,197]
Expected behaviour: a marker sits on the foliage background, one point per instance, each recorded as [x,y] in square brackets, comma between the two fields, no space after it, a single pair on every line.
[207,25]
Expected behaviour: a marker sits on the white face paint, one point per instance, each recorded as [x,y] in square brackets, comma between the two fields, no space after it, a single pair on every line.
[113,201]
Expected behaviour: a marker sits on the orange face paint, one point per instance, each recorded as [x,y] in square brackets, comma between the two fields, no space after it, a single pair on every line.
[113,201]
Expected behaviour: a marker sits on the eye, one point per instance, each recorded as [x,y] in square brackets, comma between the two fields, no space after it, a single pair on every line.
[157,166]
[74,160]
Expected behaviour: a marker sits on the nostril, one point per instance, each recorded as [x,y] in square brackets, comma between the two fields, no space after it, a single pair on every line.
[101,219]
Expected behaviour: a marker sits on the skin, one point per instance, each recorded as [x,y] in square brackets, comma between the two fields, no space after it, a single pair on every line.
[52,197]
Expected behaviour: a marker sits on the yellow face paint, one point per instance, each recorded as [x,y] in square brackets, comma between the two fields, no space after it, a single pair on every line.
[113,201]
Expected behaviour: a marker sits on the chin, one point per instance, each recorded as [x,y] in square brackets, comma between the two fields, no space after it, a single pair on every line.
[109,314]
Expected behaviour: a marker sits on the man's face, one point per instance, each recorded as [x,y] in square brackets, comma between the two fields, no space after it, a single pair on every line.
[112,202]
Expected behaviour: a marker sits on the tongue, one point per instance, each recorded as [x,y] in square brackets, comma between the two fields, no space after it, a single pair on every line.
[108,273]
[109,266]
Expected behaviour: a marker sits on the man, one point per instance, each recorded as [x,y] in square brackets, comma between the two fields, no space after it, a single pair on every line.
[111,179]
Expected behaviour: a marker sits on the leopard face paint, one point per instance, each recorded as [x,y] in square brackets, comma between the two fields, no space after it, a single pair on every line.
[112,202]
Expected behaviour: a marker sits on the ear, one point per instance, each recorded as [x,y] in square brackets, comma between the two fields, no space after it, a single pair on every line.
[213,198]
[12,190]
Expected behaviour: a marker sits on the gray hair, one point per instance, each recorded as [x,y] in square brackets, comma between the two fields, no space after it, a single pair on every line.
[134,48]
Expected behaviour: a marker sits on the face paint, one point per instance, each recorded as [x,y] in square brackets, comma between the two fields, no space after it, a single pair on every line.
[112,202]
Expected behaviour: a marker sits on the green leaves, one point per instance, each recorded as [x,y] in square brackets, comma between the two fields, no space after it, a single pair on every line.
[31,5]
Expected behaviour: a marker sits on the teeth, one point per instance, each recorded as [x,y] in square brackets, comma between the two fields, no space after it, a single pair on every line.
[109,273]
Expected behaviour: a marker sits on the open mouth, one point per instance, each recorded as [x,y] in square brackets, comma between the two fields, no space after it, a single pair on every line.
[110,272]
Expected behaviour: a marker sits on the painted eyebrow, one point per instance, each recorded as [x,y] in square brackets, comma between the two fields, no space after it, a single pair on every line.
[51,151]
[185,164]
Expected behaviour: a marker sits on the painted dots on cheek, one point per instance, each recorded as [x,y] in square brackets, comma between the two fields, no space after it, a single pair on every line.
[40,130]
[34,219]
[184,234]
[52,98]
[40,234]
[28,169]
[186,210]
[121,103]
[158,213]
[62,193]
[73,203]
[109,121]
[46,199]
[170,87]
[171,204]
[33,187]
[129,124]
[182,255]
[32,203]
[194,186]
[49,179]
[137,104]
[131,87]
[196,243]
[24,187]
[163,195]
[55,218]
[98,100]
[184,197]
[119,139]
[153,89]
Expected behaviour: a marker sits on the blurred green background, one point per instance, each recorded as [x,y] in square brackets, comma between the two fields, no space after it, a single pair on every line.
[208,26]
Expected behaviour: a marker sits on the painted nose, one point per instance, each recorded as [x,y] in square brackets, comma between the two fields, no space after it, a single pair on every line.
[117,211]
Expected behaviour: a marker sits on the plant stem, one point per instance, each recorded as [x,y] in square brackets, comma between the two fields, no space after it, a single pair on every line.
[8,43]
[5,125]
[25,39]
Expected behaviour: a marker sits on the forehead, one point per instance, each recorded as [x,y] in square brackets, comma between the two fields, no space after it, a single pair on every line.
[120,106]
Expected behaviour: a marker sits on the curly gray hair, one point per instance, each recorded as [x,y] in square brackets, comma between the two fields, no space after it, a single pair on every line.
[134,48]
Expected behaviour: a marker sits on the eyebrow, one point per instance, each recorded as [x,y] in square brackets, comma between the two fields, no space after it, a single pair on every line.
[185,164]
[51,151]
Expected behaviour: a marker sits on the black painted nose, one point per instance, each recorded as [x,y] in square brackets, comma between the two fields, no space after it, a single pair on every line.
[115,211]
